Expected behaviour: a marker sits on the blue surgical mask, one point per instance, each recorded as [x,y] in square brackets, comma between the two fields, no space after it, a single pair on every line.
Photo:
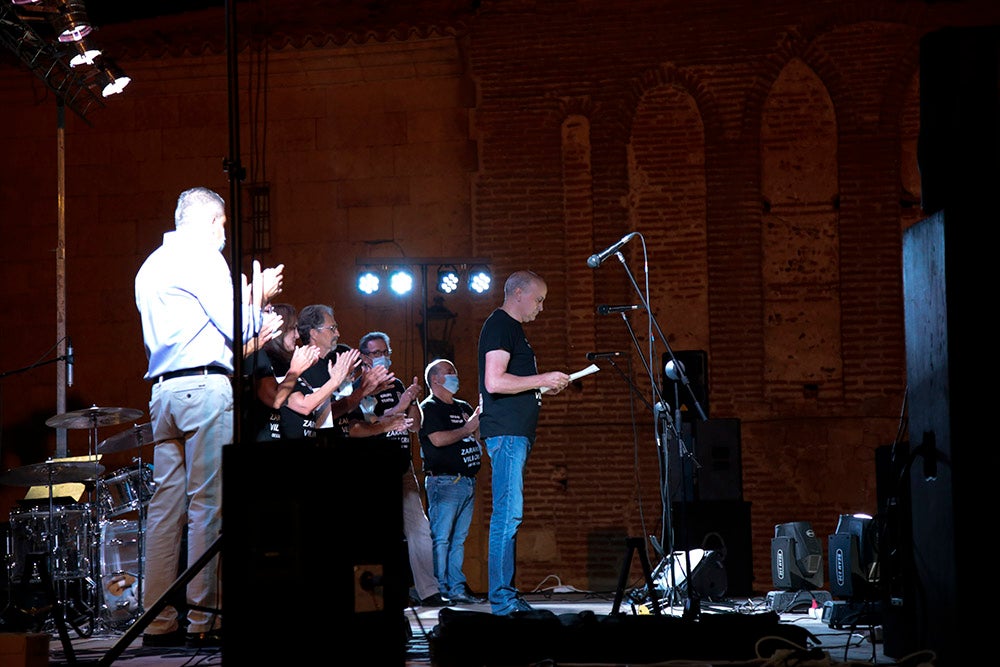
[450,383]
[381,361]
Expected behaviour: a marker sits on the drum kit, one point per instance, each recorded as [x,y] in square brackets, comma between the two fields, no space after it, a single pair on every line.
[81,563]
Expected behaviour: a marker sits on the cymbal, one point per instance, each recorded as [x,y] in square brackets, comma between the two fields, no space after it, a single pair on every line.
[93,416]
[137,436]
[53,472]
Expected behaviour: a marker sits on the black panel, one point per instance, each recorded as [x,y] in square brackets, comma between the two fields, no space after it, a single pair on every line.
[717,444]
[311,548]
[718,525]
[695,363]
[959,144]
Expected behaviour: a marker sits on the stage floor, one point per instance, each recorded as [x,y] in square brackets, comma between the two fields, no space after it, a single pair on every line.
[824,644]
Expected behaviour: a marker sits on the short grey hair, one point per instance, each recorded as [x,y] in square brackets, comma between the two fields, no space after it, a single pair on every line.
[199,206]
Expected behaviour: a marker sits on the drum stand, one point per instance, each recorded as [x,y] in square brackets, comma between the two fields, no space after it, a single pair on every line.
[139,435]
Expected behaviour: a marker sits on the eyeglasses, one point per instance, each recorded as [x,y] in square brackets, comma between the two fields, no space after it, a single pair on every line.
[378,353]
[329,328]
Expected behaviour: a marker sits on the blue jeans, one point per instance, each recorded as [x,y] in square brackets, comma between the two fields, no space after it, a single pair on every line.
[508,456]
[450,501]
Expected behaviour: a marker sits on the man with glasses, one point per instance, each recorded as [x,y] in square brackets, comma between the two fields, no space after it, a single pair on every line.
[310,404]
[371,420]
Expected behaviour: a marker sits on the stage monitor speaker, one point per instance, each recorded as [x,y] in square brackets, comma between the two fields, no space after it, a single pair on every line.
[312,548]
[695,364]
[722,526]
[708,580]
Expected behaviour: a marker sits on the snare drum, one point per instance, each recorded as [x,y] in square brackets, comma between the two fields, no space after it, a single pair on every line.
[68,541]
[125,490]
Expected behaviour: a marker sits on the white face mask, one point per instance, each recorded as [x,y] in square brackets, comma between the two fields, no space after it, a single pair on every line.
[381,361]
[450,383]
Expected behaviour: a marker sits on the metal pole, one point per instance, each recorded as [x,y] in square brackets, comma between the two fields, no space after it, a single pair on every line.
[235,170]
[61,447]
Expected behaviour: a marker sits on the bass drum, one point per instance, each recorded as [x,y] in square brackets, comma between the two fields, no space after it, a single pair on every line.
[121,572]
[60,539]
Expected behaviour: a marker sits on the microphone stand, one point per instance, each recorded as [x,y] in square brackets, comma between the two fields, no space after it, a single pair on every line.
[692,605]
[62,357]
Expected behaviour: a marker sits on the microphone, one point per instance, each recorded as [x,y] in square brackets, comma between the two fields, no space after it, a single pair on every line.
[674,372]
[594,356]
[596,260]
[69,362]
[607,310]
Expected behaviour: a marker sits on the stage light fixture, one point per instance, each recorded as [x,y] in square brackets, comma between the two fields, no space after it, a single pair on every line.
[853,558]
[112,79]
[447,279]
[796,557]
[401,281]
[72,22]
[369,282]
[480,279]
[84,56]
[796,568]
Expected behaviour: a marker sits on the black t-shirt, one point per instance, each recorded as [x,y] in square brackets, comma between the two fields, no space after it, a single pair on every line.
[461,458]
[316,376]
[508,414]
[384,400]
[264,421]
[293,424]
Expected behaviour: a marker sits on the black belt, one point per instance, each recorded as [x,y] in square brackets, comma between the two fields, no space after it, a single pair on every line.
[187,372]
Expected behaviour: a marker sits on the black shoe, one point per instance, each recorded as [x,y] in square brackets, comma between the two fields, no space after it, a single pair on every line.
[434,601]
[167,639]
[466,596]
[211,639]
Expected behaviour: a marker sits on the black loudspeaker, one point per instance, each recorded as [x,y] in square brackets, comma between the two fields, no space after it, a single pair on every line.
[716,470]
[311,548]
[717,446]
[695,364]
[722,526]
[958,148]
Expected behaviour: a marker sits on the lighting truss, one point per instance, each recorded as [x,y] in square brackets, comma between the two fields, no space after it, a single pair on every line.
[47,36]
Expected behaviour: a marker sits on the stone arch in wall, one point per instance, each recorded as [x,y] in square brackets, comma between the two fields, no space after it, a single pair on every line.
[667,203]
[800,241]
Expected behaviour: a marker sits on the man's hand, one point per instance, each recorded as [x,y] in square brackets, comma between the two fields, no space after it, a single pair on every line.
[555,381]
[376,379]
[272,280]
[344,367]
[397,422]
[411,394]
[303,358]
[265,284]
[473,421]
